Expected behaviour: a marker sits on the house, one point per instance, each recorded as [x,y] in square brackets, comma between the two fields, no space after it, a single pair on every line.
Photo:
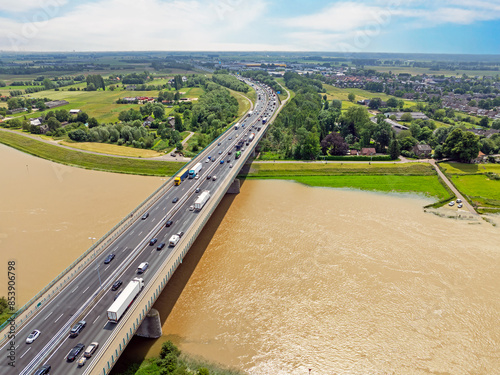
[148,121]
[363,102]
[481,158]
[422,151]
[35,121]
[56,103]
[353,152]
[74,111]
[368,151]
[171,121]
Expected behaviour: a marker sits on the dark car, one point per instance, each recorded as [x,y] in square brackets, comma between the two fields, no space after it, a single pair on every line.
[45,369]
[145,216]
[175,200]
[161,246]
[109,258]
[229,153]
[153,241]
[169,223]
[117,284]
[218,144]
[209,177]
[75,352]
[77,328]
[180,234]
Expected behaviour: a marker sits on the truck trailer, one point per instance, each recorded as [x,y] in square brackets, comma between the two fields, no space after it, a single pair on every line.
[181,177]
[202,199]
[196,169]
[251,137]
[125,299]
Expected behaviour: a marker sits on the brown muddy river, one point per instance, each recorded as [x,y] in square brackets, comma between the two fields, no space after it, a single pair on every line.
[285,278]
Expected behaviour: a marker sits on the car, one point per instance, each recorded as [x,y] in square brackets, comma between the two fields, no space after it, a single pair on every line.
[213,159]
[191,208]
[32,336]
[109,258]
[175,200]
[44,370]
[214,178]
[77,328]
[229,153]
[81,361]
[91,349]
[218,144]
[206,161]
[230,138]
[197,177]
[117,284]
[145,216]
[459,200]
[222,161]
[220,152]
[209,177]
[160,246]
[142,267]
[242,149]
[452,203]
[230,165]
[117,295]
[169,223]
[180,234]
[152,241]
[460,205]
[197,190]
[228,161]
[73,353]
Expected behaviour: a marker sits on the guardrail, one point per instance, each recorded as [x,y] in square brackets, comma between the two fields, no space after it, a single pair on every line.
[35,304]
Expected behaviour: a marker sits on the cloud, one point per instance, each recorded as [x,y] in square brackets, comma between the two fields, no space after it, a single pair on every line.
[138,25]
[21,6]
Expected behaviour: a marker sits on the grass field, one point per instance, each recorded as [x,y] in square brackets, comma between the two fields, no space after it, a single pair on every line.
[333,92]
[404,178]
[89,161]
[472,180]
[243,103]
[110,149]
[337,169]
[414,71]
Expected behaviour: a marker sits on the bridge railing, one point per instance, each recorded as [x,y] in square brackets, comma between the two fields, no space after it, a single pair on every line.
[29,309]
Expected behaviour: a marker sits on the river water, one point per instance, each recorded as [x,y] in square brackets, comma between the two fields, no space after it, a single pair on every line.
[284,278]
[48,211]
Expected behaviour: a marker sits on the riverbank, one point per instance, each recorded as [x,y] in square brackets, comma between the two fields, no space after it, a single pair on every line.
[85,160]
[417,178]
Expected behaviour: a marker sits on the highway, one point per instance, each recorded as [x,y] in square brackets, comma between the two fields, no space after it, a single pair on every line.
[81,298]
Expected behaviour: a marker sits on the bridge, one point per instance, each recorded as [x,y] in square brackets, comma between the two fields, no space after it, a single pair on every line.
[83,290]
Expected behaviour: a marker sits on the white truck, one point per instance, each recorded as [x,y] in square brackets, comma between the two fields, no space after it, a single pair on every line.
[236,126]
[202,199]
[250,114]
[125,299]
[251,137]
[196,169]
[173,240]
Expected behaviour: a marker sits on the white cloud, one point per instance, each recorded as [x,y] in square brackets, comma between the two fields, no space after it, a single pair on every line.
[17,6]
[140,25]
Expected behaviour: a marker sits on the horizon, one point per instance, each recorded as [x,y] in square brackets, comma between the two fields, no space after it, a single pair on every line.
[383,26]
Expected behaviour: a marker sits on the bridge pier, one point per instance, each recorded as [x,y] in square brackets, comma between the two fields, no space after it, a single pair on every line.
[150,326]
[234,188]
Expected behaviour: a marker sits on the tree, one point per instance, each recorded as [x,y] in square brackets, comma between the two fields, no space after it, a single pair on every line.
[334,144]
[406,117]
[146,109]
[336,104]
[48,84]
[78,135]
[159,111]
[93,122]
[375,103]
[178,123]
[203,371]
[62,115]
[392,102]
[82,117]
[311,146]
[351,97]
[484,122]
[496,124]
[394,150]
[53,124]
[461,145]
[382,134]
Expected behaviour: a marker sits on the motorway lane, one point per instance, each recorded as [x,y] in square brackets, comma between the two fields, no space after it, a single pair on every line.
[61,308]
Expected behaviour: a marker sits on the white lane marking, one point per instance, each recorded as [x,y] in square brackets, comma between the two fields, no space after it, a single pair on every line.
[75,289]
[153,219]
[48,315]
[96,319]
[132,232]
[25,352]
[86,289]
[124,250]
[18,346]
[58,318]
[140,233]
[107,267]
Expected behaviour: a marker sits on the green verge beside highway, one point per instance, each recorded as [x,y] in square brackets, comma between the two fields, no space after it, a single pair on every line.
[89,161]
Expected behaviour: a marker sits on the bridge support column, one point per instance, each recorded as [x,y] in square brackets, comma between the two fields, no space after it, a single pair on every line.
[150,326]
[234,188]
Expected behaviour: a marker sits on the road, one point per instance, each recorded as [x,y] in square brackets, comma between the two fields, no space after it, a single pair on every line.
[81,298]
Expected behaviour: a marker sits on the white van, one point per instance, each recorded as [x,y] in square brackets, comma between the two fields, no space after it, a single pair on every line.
[142,267]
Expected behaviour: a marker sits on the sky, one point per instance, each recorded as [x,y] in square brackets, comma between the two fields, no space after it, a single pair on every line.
[401,26]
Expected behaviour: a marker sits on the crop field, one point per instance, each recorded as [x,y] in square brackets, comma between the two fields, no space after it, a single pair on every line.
[414,71]
[333,92]
[110,149]
[463,168]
